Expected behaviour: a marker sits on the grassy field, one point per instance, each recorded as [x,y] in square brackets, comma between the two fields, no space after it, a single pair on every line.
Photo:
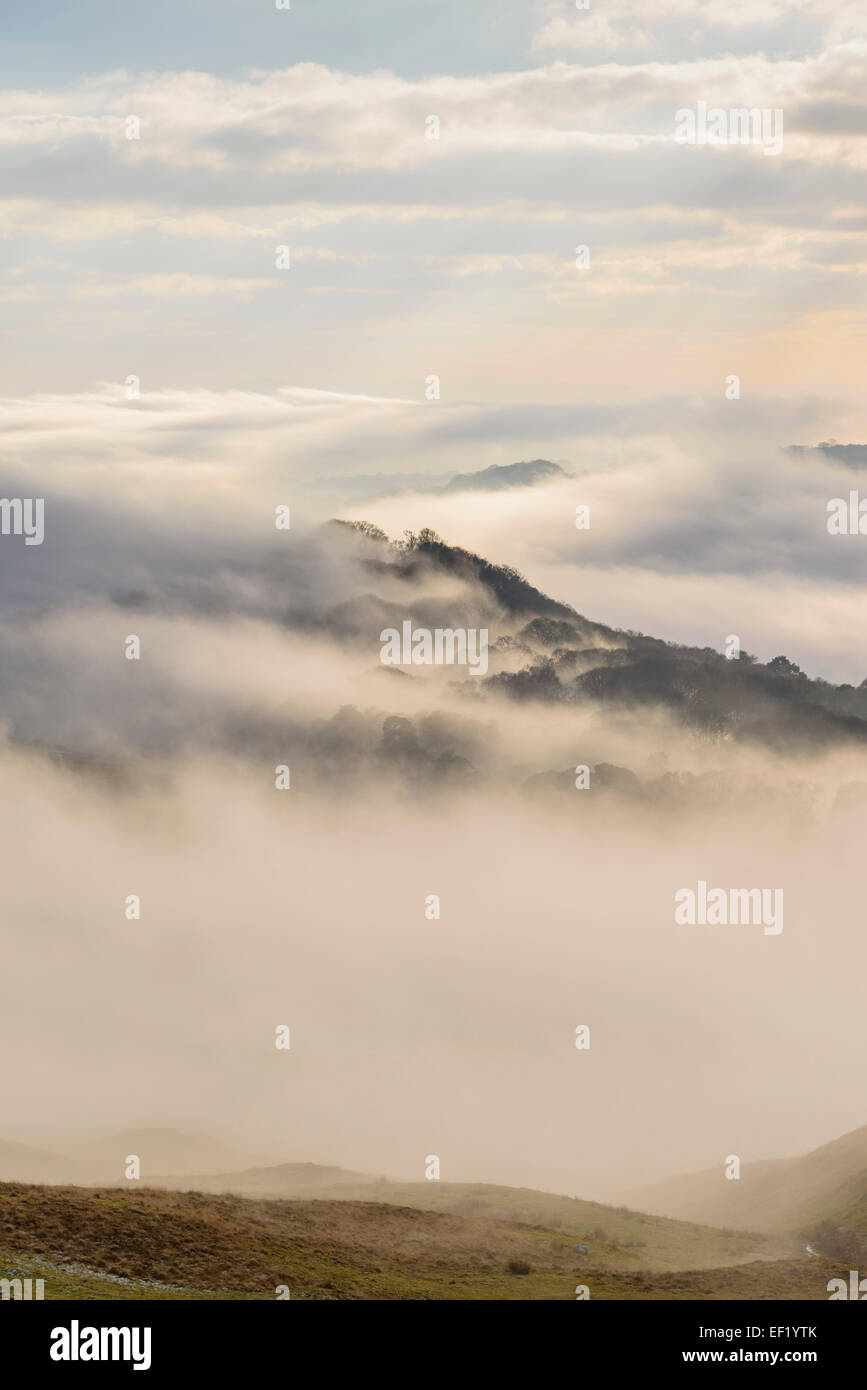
[465,1242]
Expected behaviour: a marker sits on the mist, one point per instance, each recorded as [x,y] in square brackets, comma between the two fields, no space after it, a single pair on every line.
[309,906]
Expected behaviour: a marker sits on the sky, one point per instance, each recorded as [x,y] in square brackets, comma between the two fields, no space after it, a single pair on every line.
[412,256]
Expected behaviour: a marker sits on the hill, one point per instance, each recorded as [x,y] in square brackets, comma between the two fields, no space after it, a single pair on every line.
[280,1180]
[24,1163]
[505,475]
[794,1194]
[498,477]
[143,1243]
[614,1235]
[543,650]
[160,1150]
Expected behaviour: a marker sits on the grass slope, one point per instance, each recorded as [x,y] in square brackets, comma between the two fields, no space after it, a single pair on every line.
[150,1244]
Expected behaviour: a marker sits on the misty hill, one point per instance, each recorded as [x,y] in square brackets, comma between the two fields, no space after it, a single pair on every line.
[829,1184]
[102,1159]
[549,653]
[159,1150]
[151,1244]
[280,1180]
[615,1236]
[850,455]
[417,558]
[342,586]
[495,478]
[499,476]
[23,1163]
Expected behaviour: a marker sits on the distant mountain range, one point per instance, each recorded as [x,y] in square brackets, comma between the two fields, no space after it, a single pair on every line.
[851,455]
[23,1163]
[169,1159]
[102,1160]
[280,1180]
[497,477]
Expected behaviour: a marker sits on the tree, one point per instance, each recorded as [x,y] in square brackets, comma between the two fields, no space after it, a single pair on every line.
[784,667]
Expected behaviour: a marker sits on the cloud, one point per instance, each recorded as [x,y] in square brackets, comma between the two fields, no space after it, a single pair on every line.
[245,924]
[471,234]
[691,505]
[766,25]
